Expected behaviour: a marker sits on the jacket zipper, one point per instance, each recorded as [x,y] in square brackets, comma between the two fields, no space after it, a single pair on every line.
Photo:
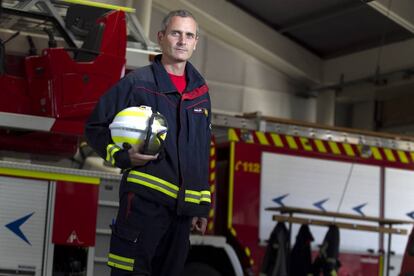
[181,191]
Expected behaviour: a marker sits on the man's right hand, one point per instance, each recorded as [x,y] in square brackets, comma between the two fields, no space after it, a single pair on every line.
[139,159]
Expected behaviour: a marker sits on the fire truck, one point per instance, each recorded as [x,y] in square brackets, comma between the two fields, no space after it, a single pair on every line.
[61,215]
[56,59]
[55,217]
[270,170]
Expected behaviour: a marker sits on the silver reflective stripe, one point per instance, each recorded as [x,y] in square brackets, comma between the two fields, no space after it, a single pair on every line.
[206,196]
[153,182]
[197,197]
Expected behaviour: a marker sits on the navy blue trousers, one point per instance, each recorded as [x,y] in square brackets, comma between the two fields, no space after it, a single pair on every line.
[148,239]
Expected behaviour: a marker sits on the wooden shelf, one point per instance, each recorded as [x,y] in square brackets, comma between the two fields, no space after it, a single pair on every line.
[385,225]
[351,226]
[381,221]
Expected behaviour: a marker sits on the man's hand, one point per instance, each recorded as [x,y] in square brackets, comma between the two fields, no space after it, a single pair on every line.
[199,225]
[139,159]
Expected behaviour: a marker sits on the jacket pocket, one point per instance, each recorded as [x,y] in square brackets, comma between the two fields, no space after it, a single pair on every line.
[197,122]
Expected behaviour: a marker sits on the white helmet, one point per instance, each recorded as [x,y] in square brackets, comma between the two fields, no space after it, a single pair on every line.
[140,128]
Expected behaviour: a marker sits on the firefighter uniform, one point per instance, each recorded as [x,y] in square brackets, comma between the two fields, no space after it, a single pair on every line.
[301,255]
[275,261]
[159,199]
[327,261]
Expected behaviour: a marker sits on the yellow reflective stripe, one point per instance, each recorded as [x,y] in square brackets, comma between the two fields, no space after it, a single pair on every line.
[202,194]
[51,176]
[123,139]
[348,149]
[197,197]
[122,259]
[247,251]
[111,149]
[320,146]
[100,5]
[108,152]
[212,176]
[212,188]
[376,153]
[389,155]
[334,147]
[120,262]
[213,164]
[305,143]
[233,135]
[131,113]
[212,151]
[381,265]
[166,187]
[193,200]
[193,192]
[153,182]
[291,142]
[210,226]
[206,199]
[152,186]
[123,267]
[262,138]
[231,186]
[402,156]
[156,179]
[276,140]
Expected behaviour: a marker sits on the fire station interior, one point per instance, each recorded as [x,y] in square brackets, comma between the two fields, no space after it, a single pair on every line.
[312,125]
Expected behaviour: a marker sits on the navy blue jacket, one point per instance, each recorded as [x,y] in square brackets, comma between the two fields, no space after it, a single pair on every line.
[180,178]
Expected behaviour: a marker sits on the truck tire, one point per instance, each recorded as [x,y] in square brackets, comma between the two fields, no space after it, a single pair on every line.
[200,269]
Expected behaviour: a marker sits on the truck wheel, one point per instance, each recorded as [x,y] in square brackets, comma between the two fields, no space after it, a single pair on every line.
[200,269]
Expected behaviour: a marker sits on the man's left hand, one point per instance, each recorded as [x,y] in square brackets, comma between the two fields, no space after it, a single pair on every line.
[199,225]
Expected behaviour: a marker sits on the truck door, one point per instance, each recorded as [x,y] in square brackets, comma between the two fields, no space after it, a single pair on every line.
[23,213]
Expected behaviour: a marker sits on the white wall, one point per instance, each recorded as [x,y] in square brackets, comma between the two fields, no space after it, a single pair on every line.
[241,83]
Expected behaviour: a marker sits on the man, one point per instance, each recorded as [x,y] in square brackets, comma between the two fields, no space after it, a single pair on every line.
[162,197]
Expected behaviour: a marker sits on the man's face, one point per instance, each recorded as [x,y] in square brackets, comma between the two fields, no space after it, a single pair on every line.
[179,39]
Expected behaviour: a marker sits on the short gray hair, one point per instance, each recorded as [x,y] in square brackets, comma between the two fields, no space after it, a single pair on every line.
[181,13]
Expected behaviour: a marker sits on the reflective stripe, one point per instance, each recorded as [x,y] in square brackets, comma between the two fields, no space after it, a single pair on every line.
[166,187]
[197,197]
[133,113]
[111,149]
[153,182]
[121,262]
[205,196]
[124,139]
[51,176]
[120,258]
[120,266]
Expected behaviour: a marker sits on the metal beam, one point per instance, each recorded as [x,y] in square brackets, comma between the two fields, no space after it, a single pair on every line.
[394,57]
[401,12]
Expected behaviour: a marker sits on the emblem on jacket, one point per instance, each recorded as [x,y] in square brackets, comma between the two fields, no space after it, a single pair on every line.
[200,110]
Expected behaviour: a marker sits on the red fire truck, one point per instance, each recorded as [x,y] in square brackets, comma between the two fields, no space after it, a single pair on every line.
[308,166]
[53,69]
[54,90]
